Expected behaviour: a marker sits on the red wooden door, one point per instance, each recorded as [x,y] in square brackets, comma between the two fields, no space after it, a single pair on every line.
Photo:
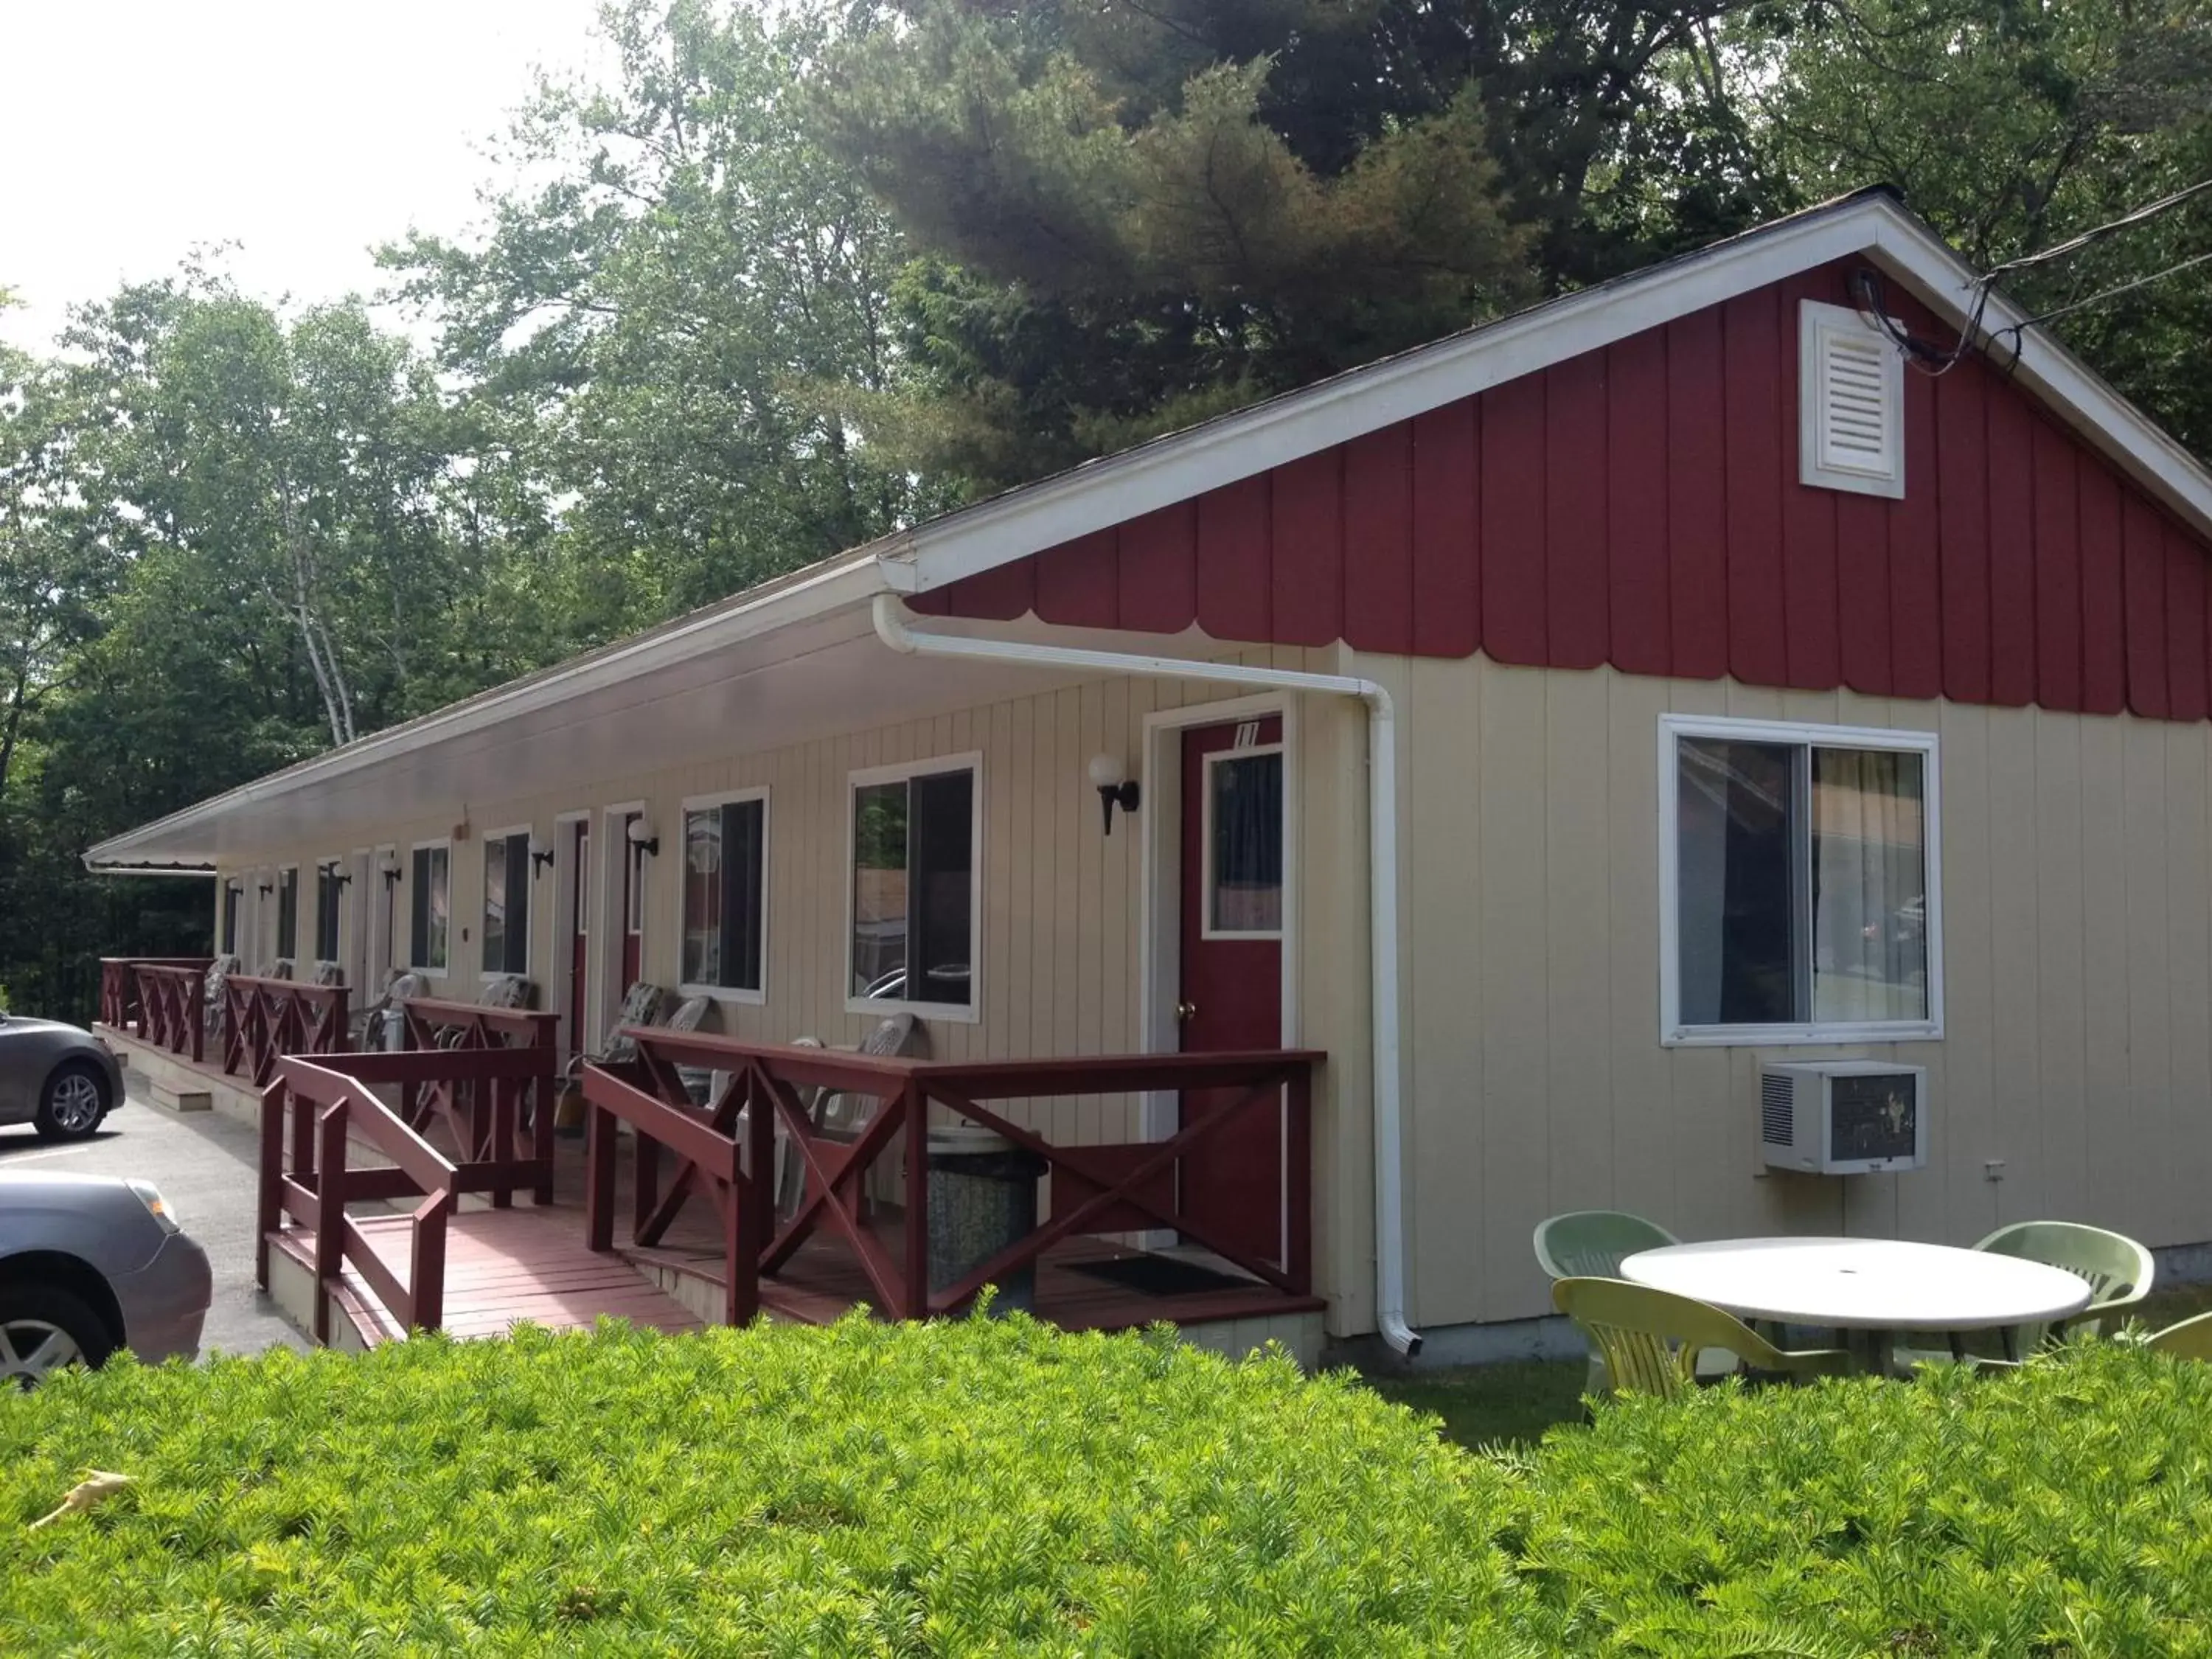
[633,910]
[1232,968]
[579,955]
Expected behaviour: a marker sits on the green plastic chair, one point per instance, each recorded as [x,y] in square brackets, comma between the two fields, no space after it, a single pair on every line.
[2190,1340]
[2118,1271]
[1650,1339]
[1593,1243]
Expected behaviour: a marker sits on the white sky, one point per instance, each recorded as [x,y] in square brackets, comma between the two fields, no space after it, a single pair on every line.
[306,130]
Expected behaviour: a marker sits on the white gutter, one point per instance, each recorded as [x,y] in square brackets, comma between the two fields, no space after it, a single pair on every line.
[205,872]
[1382,887]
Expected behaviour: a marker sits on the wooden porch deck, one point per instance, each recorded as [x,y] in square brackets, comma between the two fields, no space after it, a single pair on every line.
[824,1280]
[425,1187]
[503,1266]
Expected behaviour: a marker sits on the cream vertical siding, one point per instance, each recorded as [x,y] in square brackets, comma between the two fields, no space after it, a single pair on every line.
[1061,929]
[2076,918]
[2077,937]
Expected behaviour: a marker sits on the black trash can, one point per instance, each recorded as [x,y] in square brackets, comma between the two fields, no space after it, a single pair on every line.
[982,1197]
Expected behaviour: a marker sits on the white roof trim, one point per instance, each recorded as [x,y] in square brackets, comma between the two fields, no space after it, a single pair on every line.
[1174,468]
[853,578]
[1929,266]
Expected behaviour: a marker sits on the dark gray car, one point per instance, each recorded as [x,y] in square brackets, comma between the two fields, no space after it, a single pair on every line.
[59,1079]
[89,1264]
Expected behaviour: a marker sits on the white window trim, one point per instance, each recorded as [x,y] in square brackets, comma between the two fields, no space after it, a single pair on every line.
[1672,1032]
[529,833]
[757,996]
[1207,930]
[611,854]
[233,884]
[385,893]
[407,881]
[971,1012]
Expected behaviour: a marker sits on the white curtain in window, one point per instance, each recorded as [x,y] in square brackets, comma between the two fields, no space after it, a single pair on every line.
[1869,886]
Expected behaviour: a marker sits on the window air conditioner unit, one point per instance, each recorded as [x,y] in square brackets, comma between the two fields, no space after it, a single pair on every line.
[1843,1116]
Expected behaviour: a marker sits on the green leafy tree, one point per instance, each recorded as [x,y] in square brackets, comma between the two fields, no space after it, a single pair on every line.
[228,539]
[50,580]
[2013,127]
[656,323]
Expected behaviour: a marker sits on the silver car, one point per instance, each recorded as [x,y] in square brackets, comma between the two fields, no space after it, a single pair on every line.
[89,1264]
[59,1079]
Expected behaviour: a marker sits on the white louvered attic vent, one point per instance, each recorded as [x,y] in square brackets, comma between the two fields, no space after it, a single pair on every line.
[1850,416]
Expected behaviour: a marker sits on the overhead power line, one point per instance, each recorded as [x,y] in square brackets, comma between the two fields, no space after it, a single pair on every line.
[2075,245]
[1867,290]
[2112,293]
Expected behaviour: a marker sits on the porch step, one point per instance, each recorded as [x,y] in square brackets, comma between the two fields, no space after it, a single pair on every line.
[358,1321]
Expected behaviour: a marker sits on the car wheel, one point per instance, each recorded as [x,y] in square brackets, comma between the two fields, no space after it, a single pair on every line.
[42,1329]
[73,1103]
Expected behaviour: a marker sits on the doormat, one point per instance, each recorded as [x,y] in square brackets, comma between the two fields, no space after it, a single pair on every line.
[1160,1275]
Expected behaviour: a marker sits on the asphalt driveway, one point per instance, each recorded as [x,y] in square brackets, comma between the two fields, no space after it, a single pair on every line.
[204,1166]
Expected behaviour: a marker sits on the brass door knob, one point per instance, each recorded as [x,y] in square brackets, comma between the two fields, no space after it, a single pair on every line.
[1186,1011]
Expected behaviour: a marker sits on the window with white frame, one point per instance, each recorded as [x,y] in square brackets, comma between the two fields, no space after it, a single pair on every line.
[724,896]
[430,899]
[915,890]
[1799,877]
[288,913]
[328,888]
[507,902]
[1243,843]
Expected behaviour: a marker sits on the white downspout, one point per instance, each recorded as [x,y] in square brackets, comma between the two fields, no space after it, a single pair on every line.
[1382,889]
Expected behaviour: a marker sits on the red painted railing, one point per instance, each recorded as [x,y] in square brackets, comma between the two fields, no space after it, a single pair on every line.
[474,1108]
[317,1104]
[1095,1188]
[436,1023]
[121,1002]
[172,1008]
[265,1019]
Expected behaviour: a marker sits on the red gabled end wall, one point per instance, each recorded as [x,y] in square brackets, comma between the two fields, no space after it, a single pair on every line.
[1639,505]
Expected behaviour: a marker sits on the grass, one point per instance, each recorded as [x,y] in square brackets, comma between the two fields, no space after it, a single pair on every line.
[1500,1404]
[2170,1306]
[1512,1404]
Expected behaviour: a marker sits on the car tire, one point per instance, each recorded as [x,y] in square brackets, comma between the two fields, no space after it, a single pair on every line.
[73,1103]
[42,1327]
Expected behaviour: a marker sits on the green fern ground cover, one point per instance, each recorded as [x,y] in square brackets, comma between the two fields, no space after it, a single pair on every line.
[998,1487]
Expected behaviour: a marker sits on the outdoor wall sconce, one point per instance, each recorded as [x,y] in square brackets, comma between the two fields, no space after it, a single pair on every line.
[1115,787]
[541,854]
[337,873]
[392,872]
[267,888]
[641,837]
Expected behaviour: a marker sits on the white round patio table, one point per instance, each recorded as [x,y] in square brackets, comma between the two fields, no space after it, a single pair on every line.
[1873,1286]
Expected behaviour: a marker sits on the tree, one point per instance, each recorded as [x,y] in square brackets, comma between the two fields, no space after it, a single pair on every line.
[1133,217]
[228,539]
[659,326]
[49,583]
[2012,127]
[1137,213]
